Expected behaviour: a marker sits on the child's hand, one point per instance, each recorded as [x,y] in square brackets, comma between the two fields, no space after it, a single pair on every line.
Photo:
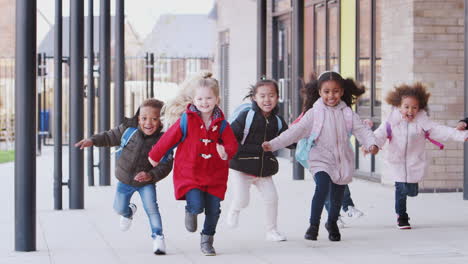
[267,146]
[154,163]
[368,123]
[373,149]
[364,150]
[461,126]
[221,151]
[142,177]
[84,143]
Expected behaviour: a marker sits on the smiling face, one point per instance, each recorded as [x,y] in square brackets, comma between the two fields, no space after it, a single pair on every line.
[266,98]
[205,100]
[149,119]
[331,93]
[409,108]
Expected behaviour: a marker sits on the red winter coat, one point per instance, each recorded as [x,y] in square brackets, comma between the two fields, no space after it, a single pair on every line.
[191,168]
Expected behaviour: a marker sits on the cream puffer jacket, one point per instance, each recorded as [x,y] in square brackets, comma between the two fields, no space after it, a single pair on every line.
[405,153]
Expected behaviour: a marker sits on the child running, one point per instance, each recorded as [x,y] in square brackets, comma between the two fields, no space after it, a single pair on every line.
[406,130]
[201,162]
[347,205]
[252,165]
[329,124]
[133,171]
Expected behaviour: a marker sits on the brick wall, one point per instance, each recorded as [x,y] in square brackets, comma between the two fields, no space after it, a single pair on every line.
[422,40]
[7,28]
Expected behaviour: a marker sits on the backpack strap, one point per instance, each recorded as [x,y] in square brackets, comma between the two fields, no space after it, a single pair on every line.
[248,123]
[126,136]
[388,127]
[280,124]
[437,143]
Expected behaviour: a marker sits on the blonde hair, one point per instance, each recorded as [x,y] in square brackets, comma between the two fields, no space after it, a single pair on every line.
[174,108]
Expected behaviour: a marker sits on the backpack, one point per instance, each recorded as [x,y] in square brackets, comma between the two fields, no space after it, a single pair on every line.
[249,118]
[183,128]
[304,145]
[126,136]
[426,135]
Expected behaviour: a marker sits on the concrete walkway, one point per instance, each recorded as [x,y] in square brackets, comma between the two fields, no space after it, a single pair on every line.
[439,234]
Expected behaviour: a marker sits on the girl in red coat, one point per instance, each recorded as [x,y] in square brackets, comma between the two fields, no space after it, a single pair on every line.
[201,163]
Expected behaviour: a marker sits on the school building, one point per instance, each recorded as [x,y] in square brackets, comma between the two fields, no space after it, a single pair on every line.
[379,43]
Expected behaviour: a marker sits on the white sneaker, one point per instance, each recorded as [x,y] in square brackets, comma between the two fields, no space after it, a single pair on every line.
[274,235]
[353,212]
[126,222]
[159,246]
[232,219]
[340,222]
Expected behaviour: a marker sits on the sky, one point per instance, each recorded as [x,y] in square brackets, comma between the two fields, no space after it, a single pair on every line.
[142,14]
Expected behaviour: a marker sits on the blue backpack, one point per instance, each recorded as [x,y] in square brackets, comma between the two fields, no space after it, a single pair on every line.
[183,128]
[127,135]
[249,118]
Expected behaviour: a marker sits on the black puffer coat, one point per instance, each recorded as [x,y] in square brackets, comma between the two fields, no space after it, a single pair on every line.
[134,157]
[250,157]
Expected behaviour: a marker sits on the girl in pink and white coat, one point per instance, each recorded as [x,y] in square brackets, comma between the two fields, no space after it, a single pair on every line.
[406,130]
[331,160]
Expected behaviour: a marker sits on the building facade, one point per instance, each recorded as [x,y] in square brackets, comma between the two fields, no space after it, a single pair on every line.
[379,43]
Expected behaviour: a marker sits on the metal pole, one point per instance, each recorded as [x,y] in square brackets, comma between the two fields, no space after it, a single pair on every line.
[91,107]
[104,88]
[146,74]
[261,37]
[465,149]
[297,69]
[151,70]
[25,126]
[58,106]
[76,103]
[119,62]
[39,105]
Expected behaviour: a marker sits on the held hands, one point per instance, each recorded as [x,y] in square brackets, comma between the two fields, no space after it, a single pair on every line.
[267,146]
[142,177]
[368,123]
[221,151]
[461,126]
[84,143]
[372,150]
[154,163]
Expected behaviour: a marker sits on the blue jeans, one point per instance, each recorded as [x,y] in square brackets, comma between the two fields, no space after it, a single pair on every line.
[402,190]
[324,188]
[347,201]
[199,201]
[147,193]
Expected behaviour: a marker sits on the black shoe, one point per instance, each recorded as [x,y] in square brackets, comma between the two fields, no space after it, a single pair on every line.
[312,232]
[403,222]
[333,231]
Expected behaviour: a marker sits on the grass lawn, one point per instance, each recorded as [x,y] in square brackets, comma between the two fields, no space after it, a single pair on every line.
[7,156]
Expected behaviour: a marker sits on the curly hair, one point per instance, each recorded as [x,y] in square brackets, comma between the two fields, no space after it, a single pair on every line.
[417,91]
[174,108]
[352,91]
[152,102]
[253,89]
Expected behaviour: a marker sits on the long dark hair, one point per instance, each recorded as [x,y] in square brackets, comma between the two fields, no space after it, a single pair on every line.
[351,90]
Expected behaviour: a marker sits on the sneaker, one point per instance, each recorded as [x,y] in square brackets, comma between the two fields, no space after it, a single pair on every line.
[333,231]
[340,222]
[232,218]
[312,232]
[190,222]
[353,212]
[403,222]
[126,222]
[159,246]
[274,235]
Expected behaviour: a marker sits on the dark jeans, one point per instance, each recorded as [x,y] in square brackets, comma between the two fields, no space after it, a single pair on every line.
[199,201]
[347,201]
[402,190]
[324,188]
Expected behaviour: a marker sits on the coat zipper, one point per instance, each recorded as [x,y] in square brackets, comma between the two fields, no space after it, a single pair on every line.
[406,151]
[249,158]
[264,139]
[337,147]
